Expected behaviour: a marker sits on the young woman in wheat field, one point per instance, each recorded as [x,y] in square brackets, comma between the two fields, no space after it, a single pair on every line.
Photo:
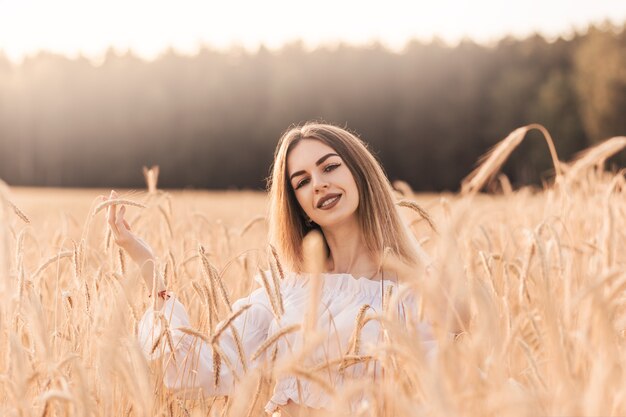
[324,183]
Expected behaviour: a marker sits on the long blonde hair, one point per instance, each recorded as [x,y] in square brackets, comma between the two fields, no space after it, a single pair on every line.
[377,214]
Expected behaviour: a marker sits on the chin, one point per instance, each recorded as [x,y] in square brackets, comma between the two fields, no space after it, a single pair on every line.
[335,220]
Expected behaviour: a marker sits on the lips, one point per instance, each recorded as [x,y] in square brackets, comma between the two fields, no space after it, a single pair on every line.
[330,199]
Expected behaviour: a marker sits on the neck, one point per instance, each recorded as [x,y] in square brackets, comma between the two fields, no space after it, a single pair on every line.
[348,251]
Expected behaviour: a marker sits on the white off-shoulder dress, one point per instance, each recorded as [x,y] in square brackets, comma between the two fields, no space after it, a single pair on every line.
[342,297]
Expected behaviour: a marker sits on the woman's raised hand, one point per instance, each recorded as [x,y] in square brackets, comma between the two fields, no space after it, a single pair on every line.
[138,250]
[119,226]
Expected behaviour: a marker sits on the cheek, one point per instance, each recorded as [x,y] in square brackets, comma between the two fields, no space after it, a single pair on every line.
[353,189]
[303,200]
[348,180]
[355,197]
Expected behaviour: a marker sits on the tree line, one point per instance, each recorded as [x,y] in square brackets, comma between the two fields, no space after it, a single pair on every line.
[212,120]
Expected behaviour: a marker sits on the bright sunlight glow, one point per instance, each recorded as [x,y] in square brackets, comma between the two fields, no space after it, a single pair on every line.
[89,27]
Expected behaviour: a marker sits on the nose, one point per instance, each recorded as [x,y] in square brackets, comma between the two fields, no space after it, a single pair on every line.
[320,185]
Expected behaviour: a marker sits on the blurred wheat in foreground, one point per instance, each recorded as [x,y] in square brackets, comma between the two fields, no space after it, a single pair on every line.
[544,272]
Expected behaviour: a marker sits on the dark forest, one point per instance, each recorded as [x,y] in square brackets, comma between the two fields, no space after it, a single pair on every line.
[212,120]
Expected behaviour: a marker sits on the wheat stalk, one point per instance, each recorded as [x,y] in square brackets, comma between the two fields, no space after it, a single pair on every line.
[228,322]
[19,213]
[239,346]
[359,322]
[193,332]
[493,160]
[306,374]
[271,295]
[168,336]
[273,339]
[114,202]
[157,342]
[419,210]
[276,274]
[257,393]
[217,368]
[120,254]
[544,337]
[343,362]
[214,278]
[595,155]
[277,261]
[60,255]
[251,223]
[217,350]
[167,221]
[87,298]
[151,175]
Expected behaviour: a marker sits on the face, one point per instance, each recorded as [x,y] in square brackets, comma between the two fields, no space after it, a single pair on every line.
[322,183]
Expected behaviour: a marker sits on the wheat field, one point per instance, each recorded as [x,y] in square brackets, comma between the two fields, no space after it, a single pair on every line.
[543,271]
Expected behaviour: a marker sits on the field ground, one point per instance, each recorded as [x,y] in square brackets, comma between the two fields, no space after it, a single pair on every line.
[544,272]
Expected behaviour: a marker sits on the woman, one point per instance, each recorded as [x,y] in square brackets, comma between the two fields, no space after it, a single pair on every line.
[324,179]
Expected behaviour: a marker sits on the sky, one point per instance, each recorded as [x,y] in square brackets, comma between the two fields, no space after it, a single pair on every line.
[148,27]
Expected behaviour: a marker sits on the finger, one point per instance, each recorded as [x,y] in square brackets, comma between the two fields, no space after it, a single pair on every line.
[114,228]
[122,226]
[112,217]
[111,214]
[119,222]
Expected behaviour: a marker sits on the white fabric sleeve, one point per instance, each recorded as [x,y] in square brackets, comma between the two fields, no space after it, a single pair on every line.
[191,365]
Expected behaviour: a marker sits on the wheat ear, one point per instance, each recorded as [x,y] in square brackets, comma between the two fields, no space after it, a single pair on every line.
[270,294]
[19,212]
[60,255]
[228,322]
[493,160]
[251,223]
[214,278]
[272,339]
[358,325]
[116,201]
[596,155]
[419,210]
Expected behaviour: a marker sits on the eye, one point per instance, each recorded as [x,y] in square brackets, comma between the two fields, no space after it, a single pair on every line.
[331,167]
[301,183]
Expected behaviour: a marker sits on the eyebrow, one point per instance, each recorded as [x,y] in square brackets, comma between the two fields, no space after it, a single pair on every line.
[317,163]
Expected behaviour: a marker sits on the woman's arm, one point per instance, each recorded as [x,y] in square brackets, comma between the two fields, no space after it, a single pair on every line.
[138,250]
[189,358]
[165,331]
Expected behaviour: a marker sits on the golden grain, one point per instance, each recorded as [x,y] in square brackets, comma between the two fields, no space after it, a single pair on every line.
[271,294]
[359,322]
[252,222]
[57,257]
[273,339]
[194,332]
[19,212]
[214,279]
[493,160]
[419,210]
[544,267]
[167,221]
[255,398]
[157,341]
[229,320]
[116,201]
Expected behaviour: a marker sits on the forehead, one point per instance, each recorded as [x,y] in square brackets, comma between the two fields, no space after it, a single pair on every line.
[306,153]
